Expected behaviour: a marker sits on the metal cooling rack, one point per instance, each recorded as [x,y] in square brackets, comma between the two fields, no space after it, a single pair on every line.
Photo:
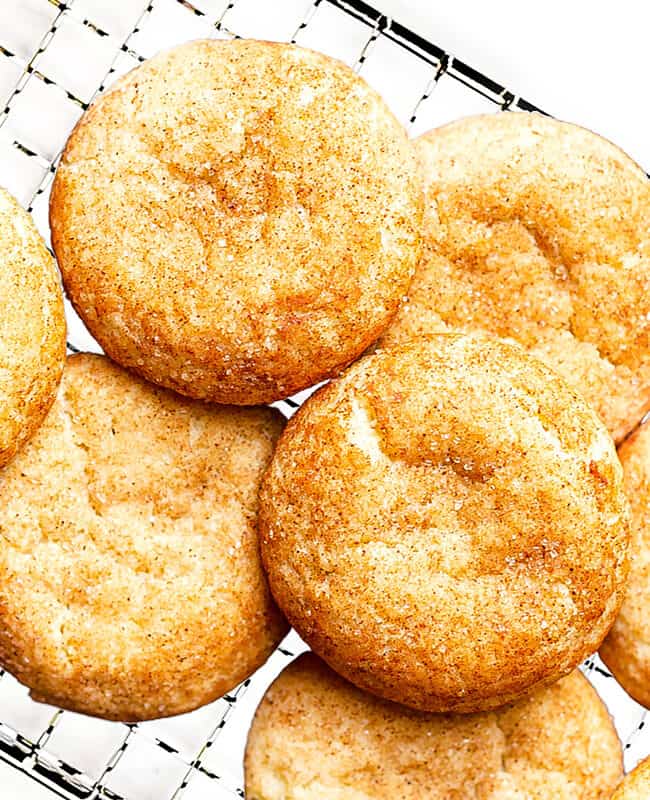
[55,57]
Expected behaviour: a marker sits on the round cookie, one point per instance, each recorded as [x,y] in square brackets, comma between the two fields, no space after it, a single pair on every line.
[32,328]
[237,220]
[536,230]
[445,524]
[626,650]
[130,580]
[636,785]
[316,736]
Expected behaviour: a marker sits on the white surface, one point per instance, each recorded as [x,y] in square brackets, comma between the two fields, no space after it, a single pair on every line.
[15,785]
[344,37]
[86,743]
[243,19]
[19,712]
[146,772]
[586,61]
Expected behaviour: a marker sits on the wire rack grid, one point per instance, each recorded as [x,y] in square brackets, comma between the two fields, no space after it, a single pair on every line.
[55,57]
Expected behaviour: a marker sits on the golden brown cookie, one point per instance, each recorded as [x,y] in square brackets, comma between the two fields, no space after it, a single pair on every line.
[636,785]
[537,230]
[32,328]
[130,580]
[237,220]
[445,524]
[316,736]
[626,650]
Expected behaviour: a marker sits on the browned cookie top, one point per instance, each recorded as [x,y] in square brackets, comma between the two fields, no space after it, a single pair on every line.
[627,647]
[237,220]
[32,328]
[538,230]
[445,524]
[315,736]
[130,579]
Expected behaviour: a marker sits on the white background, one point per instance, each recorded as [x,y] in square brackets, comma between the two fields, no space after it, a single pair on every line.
[585,61]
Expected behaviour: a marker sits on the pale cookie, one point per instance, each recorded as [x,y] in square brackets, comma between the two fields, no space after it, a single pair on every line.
[636,785]
[626,650]
[315,736]
[537,230]
[32,328]
[237,220]
[130,580]
[445,524]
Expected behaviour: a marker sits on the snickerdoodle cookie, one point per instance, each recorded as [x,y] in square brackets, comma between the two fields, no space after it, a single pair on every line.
[538,230]
[626,650]
[636,785]
[316,736]
[445,524]
[130,580]
[237,220]
[32,328]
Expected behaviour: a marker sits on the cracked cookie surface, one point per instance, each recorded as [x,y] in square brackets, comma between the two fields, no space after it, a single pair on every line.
[315,736]
[445,524]
[537,230]
[626,650]
[237,220]
[130,580]
[32,328]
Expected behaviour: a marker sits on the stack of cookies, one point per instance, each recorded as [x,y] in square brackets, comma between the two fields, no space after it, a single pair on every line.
[445,523]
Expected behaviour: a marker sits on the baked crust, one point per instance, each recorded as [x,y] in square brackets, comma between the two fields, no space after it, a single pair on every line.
[536,230]
[237,220]
[32,328]
[130,579]
[316,736]
[636,785]
[445,524]
[626,650]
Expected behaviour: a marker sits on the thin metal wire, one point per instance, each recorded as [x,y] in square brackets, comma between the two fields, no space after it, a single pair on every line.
[32,757]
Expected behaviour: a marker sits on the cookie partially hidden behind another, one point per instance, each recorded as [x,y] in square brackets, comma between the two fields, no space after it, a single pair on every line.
[446,525]
[537,230]
[636,785]
[130,580]
[315,736]
[32,328]
[237,220]
[626,650]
